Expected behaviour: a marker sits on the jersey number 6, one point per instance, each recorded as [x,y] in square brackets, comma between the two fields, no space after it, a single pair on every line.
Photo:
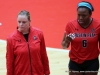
[84,43]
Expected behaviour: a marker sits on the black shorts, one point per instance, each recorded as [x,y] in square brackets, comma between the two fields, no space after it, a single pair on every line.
[88,65]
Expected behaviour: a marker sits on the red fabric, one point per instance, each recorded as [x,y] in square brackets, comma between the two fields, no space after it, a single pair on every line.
[85,45]
[18,57]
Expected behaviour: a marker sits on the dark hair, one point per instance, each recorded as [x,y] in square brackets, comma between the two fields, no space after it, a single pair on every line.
[24,12]
[90,11]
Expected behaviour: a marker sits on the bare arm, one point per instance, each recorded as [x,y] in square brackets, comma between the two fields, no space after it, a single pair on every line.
[66,40]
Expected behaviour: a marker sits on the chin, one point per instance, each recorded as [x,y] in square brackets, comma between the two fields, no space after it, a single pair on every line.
[81,23]
[21,30]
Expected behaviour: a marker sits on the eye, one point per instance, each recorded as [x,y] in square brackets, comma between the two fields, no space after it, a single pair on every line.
[24,22]
[19,21]
[84,15]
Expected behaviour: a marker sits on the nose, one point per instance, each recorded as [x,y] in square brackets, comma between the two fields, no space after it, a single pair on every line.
[80,17]
[20,23]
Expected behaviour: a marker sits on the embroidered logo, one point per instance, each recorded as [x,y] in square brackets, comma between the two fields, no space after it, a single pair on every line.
[19,40]
[34,37]
[76,29]
[92,30]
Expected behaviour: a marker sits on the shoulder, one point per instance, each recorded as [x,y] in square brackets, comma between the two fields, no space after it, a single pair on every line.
[11,36]
[36,31]
[96,21]
[72,22]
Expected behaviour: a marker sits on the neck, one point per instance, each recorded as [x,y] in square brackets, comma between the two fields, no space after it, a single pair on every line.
[23,32]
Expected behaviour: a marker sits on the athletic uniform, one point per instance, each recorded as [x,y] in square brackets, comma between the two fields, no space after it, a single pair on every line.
[85,45]
[26,54]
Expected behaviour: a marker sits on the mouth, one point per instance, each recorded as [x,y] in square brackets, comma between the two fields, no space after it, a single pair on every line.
[81,21]
[21,27]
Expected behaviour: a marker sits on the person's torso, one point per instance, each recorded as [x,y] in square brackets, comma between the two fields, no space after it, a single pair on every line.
[85,45]
[27,54]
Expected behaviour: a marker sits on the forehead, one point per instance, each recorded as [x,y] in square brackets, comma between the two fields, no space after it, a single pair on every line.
[83,10]
[22,17]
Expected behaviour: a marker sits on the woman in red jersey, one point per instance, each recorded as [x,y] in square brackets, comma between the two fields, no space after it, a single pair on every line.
[83,34]
[26,51]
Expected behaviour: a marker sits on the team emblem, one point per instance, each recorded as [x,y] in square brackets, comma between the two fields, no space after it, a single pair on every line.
[34,37]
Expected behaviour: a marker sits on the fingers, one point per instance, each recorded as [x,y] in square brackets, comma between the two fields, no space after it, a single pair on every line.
[71,35]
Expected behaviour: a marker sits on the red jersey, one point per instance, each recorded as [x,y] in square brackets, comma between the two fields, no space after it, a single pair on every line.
[27,58]
[85,45]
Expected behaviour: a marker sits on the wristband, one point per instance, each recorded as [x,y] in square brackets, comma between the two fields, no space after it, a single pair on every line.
[71,35]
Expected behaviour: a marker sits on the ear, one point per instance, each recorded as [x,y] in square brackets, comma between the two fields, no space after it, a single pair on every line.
[90,15]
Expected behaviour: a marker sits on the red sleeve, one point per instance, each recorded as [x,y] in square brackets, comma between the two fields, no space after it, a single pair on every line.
[98,30]
[99,38]
[67,29]
[99,42]
[44,56]
[9,58]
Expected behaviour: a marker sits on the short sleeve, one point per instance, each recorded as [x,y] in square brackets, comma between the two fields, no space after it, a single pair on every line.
[67,28]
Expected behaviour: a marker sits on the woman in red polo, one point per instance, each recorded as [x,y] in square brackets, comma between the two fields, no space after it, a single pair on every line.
[84,34]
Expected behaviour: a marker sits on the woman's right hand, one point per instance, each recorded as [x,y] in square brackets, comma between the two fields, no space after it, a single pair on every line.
[67,39]
[70,36]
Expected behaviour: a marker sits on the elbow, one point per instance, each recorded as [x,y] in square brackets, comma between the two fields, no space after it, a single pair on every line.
[64,45]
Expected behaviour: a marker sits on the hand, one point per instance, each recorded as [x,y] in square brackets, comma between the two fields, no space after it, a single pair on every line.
[67,39]
[70,36]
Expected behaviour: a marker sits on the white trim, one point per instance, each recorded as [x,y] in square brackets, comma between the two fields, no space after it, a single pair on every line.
[3,41]
[57,49]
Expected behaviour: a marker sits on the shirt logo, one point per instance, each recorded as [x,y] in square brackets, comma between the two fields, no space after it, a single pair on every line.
[19,40]
[34,37]
[76,29]
[92,30]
